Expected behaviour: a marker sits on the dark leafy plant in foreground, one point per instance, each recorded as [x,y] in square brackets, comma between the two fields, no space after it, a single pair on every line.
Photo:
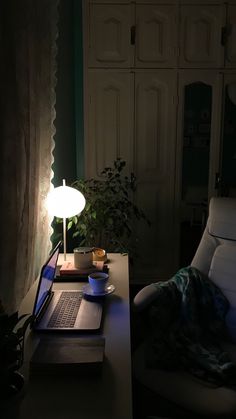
[12,333]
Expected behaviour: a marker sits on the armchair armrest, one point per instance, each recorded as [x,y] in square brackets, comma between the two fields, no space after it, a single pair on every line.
[144,297]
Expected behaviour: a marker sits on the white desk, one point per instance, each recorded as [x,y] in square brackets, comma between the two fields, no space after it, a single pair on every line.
[105,396]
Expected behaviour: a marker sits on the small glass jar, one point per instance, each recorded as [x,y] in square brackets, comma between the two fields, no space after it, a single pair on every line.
[83,257]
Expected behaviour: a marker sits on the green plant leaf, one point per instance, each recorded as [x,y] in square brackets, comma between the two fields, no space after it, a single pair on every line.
[69,225]
[108,219]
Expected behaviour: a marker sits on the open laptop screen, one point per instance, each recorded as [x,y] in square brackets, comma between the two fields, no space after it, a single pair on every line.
[46,279]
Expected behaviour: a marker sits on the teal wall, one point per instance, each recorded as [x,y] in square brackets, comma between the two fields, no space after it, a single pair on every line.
[78,77]
[69,149]
[69,137]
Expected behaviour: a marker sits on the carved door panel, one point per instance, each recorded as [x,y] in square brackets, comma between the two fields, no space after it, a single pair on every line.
[200,38]
[156,36]
[110,120]
[230,47]
[155,138]
[110,35]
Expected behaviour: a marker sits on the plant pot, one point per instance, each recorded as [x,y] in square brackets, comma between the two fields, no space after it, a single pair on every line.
[11,395]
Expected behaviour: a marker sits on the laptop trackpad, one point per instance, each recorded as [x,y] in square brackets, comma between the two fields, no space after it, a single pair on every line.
[89,315]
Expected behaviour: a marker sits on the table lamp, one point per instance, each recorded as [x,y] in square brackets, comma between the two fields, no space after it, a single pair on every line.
[65,202]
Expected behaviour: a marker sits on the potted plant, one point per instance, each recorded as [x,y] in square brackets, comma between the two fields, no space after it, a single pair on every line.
[12,332]
[108,218]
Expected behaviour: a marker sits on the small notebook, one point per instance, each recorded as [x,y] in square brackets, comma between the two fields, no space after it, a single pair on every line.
[80,356]
[68,268]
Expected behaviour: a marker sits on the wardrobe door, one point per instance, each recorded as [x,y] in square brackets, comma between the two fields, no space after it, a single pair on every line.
[156,36]
[227,175]
[230,47]
[198,154]
[155,135]
[110,35]
[200,37]
[110,120]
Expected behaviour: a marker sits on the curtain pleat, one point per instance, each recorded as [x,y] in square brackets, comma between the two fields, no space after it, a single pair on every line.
[28,35]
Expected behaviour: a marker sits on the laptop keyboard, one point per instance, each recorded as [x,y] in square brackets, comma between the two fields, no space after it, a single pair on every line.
[66,310]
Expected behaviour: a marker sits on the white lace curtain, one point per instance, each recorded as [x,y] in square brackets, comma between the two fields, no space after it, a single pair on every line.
[28,32]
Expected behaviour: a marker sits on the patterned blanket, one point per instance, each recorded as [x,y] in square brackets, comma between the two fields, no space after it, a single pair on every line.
[187,322]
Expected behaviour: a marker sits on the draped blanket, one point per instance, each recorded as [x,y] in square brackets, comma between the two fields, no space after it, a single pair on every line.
[187,322]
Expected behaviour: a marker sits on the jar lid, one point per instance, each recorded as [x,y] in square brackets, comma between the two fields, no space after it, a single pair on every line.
[99,252]
[83,250]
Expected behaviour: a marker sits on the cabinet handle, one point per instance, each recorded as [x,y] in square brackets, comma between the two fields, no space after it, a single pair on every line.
[132,35]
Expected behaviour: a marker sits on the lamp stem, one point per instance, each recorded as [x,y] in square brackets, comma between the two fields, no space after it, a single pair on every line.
[64,226]
[64,236]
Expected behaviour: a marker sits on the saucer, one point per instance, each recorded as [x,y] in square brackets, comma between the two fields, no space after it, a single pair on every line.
[87,290]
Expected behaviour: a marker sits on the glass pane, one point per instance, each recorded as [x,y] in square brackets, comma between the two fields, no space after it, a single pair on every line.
[196,142]
[228,184]
[195,166]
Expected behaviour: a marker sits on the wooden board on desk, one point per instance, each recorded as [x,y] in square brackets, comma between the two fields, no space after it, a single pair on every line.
[68,356]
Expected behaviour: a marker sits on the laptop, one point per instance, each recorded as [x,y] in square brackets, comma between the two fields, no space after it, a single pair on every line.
[62,310]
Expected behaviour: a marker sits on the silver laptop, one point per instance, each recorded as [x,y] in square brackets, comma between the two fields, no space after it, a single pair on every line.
[62,310]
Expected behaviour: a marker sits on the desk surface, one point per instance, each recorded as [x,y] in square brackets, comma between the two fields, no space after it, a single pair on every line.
[105,396]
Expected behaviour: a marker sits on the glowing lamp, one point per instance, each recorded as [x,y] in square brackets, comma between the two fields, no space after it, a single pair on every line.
[65,202]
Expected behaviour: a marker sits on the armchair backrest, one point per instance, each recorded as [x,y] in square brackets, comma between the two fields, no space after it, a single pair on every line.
[216,253]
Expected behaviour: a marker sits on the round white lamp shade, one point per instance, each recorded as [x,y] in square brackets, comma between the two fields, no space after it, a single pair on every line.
[65,202]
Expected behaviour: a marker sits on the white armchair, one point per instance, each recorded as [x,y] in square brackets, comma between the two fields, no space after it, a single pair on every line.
[215,257]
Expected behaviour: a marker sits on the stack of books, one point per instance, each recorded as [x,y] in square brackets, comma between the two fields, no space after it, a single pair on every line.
[68,272]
